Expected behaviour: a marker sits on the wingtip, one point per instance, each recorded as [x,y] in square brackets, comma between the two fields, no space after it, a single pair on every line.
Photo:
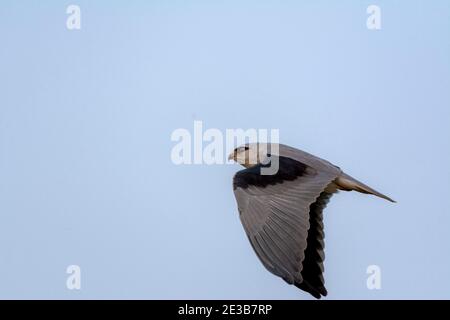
[316,292]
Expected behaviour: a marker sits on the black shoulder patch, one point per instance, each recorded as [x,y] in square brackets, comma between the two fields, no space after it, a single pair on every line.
[289,170]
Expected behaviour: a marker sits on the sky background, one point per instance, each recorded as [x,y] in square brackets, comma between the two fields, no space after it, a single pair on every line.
[86,117]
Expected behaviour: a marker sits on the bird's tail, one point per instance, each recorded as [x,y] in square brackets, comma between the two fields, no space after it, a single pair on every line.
[347,183]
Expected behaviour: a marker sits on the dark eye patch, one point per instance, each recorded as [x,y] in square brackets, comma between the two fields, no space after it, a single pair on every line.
[246,148]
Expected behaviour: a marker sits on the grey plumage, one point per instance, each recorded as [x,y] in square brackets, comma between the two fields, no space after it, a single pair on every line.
[282,214]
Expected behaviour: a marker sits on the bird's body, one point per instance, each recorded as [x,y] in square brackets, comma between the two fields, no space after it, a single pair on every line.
[282,211]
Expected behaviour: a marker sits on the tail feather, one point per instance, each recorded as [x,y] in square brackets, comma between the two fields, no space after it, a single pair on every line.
[347,183]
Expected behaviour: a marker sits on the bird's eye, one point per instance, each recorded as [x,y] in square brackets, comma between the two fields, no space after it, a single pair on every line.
[246,148]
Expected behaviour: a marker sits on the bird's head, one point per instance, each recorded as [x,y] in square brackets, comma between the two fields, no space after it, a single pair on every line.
[250,154]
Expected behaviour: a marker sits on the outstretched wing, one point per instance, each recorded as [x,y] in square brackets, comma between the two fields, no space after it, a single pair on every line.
[282,216]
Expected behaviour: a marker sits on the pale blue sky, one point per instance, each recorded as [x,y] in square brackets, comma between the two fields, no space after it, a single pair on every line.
[86,118]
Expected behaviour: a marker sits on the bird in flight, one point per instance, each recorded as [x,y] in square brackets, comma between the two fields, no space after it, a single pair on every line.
[281,211]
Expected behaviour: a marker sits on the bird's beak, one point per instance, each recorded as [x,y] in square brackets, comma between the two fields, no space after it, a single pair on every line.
[231,156]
